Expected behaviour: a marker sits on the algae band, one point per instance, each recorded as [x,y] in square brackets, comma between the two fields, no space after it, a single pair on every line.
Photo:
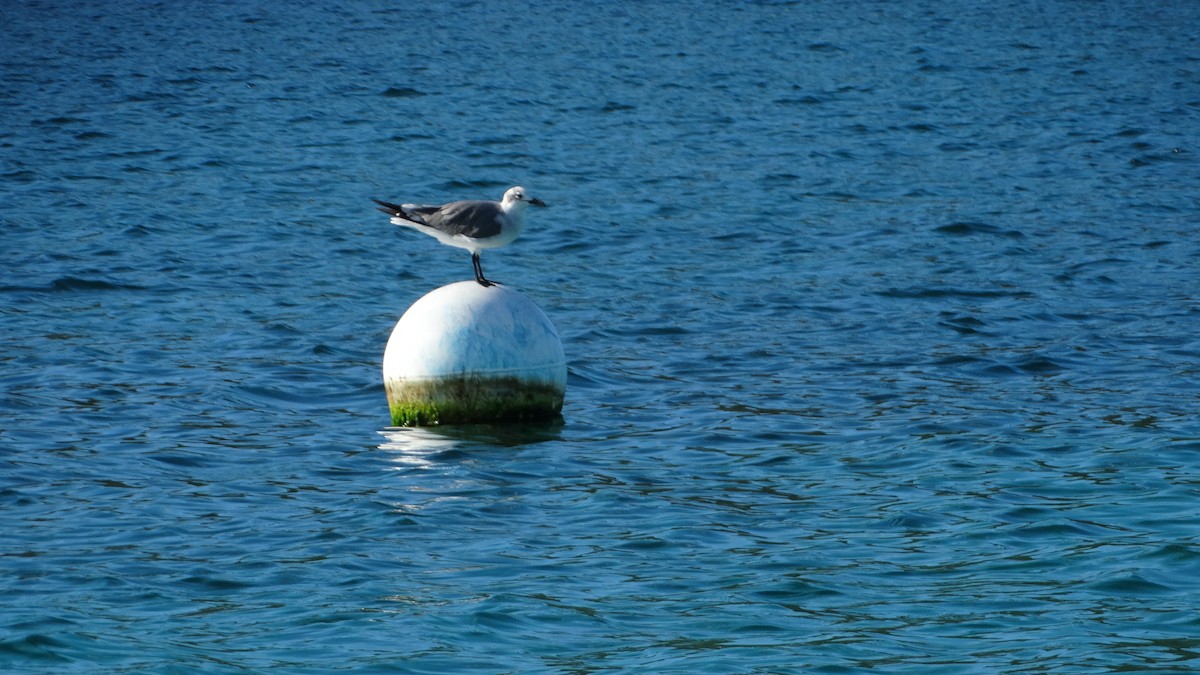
[472,399]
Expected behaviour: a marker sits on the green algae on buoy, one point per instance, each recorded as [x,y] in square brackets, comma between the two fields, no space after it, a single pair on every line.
[466,353]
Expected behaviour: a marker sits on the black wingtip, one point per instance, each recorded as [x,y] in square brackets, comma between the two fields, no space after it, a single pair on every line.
[388,207]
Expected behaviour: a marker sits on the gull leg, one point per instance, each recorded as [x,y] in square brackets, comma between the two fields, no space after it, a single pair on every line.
[479,271]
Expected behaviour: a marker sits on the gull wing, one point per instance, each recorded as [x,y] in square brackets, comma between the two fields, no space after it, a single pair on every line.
[477,219]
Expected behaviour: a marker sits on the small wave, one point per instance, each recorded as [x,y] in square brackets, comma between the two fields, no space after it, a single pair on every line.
[961,229]
[23,176]
[928,293]
[59,121]
[613,106]
[401,138]
[35,646]
[1172,155]
[402,92]
[494,140]
[68,284]
[967,325]
[1132,585]
[1039,365]
[217,583]
[92,135]
[1182,553]
[454,185]
[801,101]
[80,284]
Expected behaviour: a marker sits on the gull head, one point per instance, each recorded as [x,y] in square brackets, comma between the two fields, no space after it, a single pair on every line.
[516,197]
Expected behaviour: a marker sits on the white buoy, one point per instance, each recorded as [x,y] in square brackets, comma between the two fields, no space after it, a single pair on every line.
[468,353]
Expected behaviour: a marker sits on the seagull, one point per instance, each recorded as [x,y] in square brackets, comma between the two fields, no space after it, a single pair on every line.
[473,224]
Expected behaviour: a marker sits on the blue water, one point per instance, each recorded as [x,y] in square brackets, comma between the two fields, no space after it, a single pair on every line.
[882,320]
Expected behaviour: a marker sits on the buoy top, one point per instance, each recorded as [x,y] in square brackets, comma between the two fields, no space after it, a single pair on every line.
[468,329]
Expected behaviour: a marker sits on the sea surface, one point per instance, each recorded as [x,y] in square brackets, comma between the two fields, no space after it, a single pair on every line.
[882,322]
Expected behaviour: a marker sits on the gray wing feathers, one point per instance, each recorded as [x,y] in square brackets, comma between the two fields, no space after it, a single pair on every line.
[476,219]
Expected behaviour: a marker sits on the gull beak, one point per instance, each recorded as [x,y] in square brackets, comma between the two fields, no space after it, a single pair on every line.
[537,202]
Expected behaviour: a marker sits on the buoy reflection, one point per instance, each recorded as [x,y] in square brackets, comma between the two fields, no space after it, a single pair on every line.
[425,446]
[416,446]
